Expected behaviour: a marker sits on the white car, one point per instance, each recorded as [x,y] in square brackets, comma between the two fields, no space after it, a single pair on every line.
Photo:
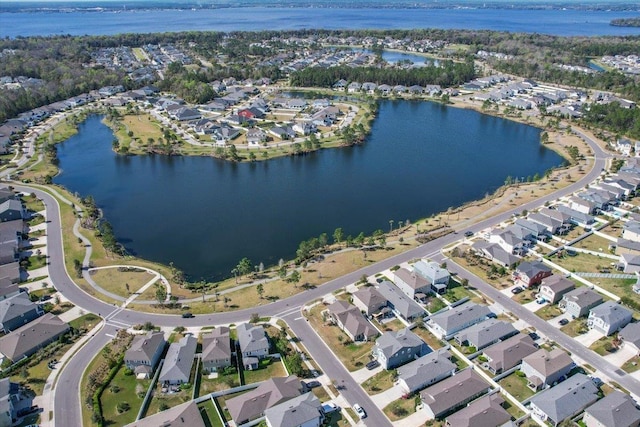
[359,411]
[330,407]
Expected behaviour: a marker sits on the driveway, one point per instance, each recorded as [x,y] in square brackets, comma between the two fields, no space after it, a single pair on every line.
[383,399]
[534,306]
[622,355]
[555,321]
[416,419]
[589,338]
[361,375]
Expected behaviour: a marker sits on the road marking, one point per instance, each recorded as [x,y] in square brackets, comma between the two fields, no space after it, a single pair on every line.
[118,323]
[110,336]
[298,318]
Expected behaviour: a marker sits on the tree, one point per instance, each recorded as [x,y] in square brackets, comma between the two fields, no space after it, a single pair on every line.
[161,294]
[244,266]
[294,278]
[390,225]
[260,290]
[338,235]
[77,267]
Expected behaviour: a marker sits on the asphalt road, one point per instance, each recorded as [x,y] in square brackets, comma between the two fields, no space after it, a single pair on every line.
[67,407]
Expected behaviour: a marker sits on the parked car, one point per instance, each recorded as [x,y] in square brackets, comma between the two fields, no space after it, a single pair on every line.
[313,384]
[330,407]
[517,290]
[540,300]
[563,322]
[359,411]
[373,365]
[187,315]
[468,234]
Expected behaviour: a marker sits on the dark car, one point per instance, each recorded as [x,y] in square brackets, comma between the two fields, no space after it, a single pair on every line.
[563,322]
[312,384]
[187,315]
[468,234]
[517,290]
[373,364]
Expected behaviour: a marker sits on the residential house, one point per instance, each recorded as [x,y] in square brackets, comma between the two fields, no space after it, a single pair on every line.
[6,194]
[11,210]
[616,409]
[185,113]
[143,355]
[553,287]
[368,300]
[452,393]
[630,336]
[256,137]
[369,87]
[624,246]
[509,353]
[176,369]
[216,349]
[544,368]
[283,132]
[538,231]
[437,276]
[529,274]
[494,252]
[446,324]
[253,404]
[8,397]
[33,336]
[576,217]
[296,104]
[17,311]
[401,305]
[8,289]
[565,400]
[609,317]
[582,205]
[426,371]
[302,411]
[9,272]
[252,340]
[579,301]
[184,415]
[354,87]
[624,146]
[304,127]
[411,283]
[396,348]
[486,411]
[551,225]
[485,333]
[508,240]
[631,231]
[348,318]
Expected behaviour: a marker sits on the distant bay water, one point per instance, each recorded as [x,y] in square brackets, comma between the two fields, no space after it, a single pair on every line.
[205,214]
[560,22]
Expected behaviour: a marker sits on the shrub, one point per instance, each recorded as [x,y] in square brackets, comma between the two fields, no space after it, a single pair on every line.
[122,407]
[128,371]
[114,389]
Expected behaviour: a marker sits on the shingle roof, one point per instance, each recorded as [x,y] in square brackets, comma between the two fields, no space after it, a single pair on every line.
[530,269]
[617,409]
[452,319]
[251,337]
[15,306]
[428,367]
[558,283]
[567,398]
[144,347]
[216,345]
[548,362]
[26,339]
[413,279]
[610,312]
[295,412]
[252,404]
[582,296]
[401,303]
[179,359]
[484,412]
[432,271]
[631,333]
[485,333]
[370,297]
[449,393]
[509,353]
[392,342]
[184,415]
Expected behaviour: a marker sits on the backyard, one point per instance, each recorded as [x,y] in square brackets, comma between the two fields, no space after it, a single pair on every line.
[516,386]
[267,368]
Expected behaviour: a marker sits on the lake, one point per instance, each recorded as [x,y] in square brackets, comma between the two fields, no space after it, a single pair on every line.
[571,22]
[205,214]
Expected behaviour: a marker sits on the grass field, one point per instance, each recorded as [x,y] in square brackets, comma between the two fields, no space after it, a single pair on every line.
[380,382]
[129,390]
[594,243]
[516,386]
[549,312]
[115,281]
[400,409]
[582,262]
[268,368]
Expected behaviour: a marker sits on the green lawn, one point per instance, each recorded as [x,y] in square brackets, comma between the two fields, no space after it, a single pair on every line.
[32,203]
[549,312]
[631,365]
[516,386]
[575,327]
[434,304]
[131,391]
[400,409]
[380,382]
[456,292]
[582,262]
[594,243]
[209,414]
[426,336]
[393,325]
[268,368]
[85,322]
[223,382]
[603,346]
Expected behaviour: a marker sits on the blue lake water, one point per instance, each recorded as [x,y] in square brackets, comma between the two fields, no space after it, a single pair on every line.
[205,214]
[553,21]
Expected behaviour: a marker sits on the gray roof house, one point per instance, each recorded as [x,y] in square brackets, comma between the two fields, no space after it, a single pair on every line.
[216,349]
[449,322]
[410,282]
[530,274]
[617,409]
[450,394]
[609,317]
[485,333]
[11,210]
[184,415]
[509,353]
[551,225]
[484,412]
[368,300]
[31,337]
[576,217]
[17,311]
[144,353]
[552,288]
[565,400]
[8,395]
[401,304]
[396,348]
[579,301]
[437,277]
[253,404]
[177,364]
[253,340]
[301,411]
[426,371]
[544,368]
[495,253]
[348,318]
[630,335]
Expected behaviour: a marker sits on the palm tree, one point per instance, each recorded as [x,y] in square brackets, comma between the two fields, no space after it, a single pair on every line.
[390,225]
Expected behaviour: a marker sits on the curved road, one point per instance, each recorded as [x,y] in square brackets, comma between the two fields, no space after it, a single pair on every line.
[67,408]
